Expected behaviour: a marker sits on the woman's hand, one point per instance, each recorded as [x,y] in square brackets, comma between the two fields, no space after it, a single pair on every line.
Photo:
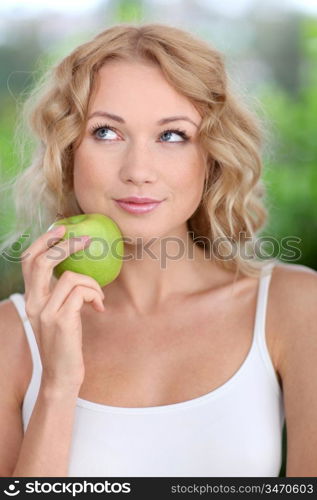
[55,313]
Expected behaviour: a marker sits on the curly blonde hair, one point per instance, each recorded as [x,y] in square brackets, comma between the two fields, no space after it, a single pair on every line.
[231,209]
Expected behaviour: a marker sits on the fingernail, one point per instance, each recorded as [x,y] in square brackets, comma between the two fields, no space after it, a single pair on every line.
[58,230]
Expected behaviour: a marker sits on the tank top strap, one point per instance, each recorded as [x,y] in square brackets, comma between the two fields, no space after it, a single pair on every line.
[262,299]
[18,301]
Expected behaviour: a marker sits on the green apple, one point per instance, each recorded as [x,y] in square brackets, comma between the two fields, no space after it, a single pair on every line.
[102,259]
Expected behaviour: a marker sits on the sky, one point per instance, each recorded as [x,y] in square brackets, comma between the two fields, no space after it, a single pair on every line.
[31,6]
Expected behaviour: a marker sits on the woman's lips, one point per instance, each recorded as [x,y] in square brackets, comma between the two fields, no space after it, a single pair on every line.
[138,208]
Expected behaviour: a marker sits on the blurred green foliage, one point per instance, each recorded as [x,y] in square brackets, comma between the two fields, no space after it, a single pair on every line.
[131,11]
[291,178]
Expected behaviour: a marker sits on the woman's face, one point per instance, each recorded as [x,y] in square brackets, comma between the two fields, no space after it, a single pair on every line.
[137,156]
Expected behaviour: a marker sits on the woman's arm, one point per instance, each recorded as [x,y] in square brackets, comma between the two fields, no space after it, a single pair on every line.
[46,444]
[295,292]
[44,448]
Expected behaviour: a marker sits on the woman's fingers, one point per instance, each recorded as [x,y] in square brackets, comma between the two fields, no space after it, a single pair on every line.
[45,262]
[65,286]
[75,300]
[39,246]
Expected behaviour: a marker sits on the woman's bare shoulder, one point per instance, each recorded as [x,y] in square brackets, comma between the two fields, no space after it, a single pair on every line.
[293,294]
[292,305]
[294,284]
[15,358]
[295,269]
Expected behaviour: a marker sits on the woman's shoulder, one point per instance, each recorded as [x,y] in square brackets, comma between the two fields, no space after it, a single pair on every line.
[292,308]
[9,316]
[10,320]
[293,295]
[294,284]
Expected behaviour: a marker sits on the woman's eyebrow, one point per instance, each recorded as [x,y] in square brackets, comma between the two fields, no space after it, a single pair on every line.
[119,119]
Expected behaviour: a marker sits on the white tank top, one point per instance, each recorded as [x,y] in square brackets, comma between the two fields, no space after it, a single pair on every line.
[234,430]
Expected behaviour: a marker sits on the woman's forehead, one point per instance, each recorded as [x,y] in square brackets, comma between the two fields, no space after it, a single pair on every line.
[122,86]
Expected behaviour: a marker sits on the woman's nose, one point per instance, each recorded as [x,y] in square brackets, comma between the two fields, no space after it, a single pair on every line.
[138,166]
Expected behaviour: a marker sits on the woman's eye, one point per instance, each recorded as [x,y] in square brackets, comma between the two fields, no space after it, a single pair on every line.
[180,133]
[102,133]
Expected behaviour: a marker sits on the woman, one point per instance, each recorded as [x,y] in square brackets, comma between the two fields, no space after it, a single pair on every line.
[191,366]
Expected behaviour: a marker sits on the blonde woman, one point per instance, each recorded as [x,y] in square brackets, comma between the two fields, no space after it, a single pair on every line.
[190,368]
